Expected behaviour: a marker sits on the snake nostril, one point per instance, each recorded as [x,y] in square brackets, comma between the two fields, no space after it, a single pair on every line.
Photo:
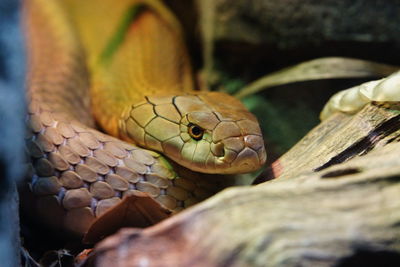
[218,149]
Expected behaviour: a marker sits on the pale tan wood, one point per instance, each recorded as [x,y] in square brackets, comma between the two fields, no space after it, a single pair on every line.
[346,212]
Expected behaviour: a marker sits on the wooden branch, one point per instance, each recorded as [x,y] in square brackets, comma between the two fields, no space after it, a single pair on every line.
[338,139]
[345,214]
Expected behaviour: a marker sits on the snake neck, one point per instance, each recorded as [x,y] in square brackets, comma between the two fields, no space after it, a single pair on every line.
[137,51]
[142,90]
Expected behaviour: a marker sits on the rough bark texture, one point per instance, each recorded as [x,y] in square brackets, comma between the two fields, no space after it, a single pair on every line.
[295,22]
[252,38]
[11,132]
[347,214]
[339,139]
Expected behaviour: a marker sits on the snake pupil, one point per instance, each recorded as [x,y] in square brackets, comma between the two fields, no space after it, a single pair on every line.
[195,132]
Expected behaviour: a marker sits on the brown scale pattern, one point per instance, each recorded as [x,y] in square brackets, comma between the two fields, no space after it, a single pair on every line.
[76,173]
[82,172]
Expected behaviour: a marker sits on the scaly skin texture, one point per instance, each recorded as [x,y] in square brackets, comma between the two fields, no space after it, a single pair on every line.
[146,76]
[231,142]
[76,172]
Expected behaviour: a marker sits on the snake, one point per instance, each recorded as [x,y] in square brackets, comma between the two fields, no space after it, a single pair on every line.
[114,110]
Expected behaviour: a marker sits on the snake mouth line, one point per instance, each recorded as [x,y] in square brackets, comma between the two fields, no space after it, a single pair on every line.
[222,156]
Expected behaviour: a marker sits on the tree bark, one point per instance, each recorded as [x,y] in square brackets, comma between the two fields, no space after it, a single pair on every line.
[336,203]
[296,22]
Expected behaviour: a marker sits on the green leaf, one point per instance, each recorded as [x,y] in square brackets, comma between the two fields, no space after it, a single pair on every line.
[282,124]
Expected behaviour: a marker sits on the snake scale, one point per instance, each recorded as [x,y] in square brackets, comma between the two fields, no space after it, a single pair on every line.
[122,67]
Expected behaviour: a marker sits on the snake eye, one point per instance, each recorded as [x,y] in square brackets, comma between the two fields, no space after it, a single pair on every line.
[195,132]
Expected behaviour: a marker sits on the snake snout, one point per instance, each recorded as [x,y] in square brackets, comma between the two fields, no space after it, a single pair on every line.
[248,160]
[252,156]
[240,154]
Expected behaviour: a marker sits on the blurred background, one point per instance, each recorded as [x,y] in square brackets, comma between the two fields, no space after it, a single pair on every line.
[12,106]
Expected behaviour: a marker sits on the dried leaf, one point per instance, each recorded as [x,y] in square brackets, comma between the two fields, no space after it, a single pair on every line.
[137,210]
[317,69]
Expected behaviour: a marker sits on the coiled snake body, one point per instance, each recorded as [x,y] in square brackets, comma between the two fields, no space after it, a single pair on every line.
[124,62]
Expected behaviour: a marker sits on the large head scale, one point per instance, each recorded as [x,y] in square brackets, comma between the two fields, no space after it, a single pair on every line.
[208,132]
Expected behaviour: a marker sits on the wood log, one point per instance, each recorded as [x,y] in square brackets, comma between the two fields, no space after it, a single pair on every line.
[335,203]
[338,139]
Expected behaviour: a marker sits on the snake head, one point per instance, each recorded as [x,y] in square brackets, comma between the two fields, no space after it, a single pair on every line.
[208,132]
